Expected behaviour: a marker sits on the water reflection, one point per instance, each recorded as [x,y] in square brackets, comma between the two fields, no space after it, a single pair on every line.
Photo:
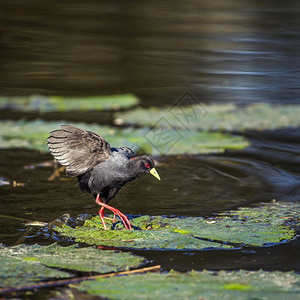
[220,50]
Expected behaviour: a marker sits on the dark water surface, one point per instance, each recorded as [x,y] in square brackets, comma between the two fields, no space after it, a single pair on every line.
[243,51]
[219,50]
[190,186]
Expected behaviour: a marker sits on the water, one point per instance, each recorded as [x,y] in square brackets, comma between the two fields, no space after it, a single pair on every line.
[219,50]
[190,186]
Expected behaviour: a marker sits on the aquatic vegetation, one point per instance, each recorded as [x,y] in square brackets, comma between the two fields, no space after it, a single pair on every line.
[60,104]
[33,134]
[92,234]
[21,265]
[222,117]
[260,226]
[197,285]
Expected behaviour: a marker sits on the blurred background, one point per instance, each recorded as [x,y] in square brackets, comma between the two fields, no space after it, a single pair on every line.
[219,50]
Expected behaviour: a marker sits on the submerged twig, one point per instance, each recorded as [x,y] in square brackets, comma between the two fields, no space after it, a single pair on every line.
[61,282]
[15,218]
[21,239]
[56,172]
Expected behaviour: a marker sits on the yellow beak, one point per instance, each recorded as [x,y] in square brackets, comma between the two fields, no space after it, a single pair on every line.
[154,173]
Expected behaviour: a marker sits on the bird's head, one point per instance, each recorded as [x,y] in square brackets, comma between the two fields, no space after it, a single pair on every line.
[145,164]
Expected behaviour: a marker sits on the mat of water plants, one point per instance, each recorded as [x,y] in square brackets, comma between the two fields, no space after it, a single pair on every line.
[44,104]
[197,285]
[265,225]
[23,264]
[33,134]
[223,117]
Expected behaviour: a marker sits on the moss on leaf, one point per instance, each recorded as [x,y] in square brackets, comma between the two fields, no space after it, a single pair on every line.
[198,285]
[267,224]
[24,264]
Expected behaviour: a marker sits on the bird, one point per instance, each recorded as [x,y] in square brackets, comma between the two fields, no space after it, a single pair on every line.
[101,170]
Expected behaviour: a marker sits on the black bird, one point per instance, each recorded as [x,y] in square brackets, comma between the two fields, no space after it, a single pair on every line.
[100,169]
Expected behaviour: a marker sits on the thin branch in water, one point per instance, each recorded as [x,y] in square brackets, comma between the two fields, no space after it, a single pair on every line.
[61,282]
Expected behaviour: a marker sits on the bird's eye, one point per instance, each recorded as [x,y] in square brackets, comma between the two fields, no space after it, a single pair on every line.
[146,165]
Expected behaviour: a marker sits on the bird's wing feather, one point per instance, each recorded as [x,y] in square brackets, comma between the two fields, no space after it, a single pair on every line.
[124,150]
[77,149]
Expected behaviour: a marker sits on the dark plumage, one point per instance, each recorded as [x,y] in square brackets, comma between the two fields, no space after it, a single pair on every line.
[100,169]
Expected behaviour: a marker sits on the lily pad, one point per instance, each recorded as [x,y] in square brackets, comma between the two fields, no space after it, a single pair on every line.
[17,272]
[92,234]
[224,117]
[17,269]
[60,104]
[23,264]
[197,285]
[264,225]
[33,134]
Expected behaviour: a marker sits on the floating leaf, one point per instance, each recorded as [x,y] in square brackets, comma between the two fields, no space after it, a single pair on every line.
[61,104]
[18,269]
[224,117]
[264,225]
[197,285]
[23,264]
[267,224]
[16,272]
[33,134]
[92,234]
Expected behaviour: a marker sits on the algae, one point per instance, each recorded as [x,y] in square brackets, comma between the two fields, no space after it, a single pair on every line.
[21,265]
[17,270]
[221,117]
[137,239]
[268,224]
[45,104]
[33,134]
[197,285]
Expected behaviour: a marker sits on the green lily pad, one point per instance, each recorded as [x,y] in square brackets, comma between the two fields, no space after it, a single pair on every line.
[33,134]
[23,264]
[60,104]
[197,285]
[224,117]
[18,269]
[270,223]
[92,234]
[264,225]
[17,272]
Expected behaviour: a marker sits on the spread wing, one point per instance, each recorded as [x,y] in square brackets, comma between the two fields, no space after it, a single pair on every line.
[77,149]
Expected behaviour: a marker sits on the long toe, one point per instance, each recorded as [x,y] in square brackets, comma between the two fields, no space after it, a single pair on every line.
[123,218]
[125,221]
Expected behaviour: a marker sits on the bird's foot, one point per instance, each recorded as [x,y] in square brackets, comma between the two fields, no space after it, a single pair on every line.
[122,217]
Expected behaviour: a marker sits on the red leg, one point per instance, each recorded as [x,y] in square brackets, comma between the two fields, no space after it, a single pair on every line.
[101,217]
[123,218]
